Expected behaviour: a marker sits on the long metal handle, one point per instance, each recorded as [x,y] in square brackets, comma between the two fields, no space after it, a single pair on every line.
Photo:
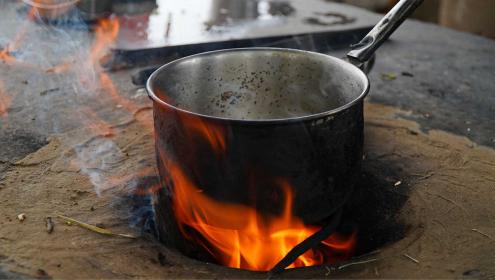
[364,50]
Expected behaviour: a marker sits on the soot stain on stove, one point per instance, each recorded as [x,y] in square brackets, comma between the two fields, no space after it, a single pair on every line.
[137,205]
[17,144]
[374,209]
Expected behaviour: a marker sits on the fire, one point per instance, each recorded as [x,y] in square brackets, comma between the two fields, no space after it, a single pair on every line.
[6,53]
[6,56]
[109,87]
[106,33]
[237,235]
[213,134]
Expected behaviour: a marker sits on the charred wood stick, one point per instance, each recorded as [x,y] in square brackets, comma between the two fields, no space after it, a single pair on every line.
[307,244]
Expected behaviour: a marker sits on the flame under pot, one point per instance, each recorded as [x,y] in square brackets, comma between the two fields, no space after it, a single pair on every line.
[235,122]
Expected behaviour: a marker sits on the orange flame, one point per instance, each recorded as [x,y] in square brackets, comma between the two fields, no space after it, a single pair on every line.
[5,53]
[6,56]
[109,87]
[237,235]
[213,134]
[106,33]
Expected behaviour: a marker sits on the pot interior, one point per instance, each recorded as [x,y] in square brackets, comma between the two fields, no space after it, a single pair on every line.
[259,84]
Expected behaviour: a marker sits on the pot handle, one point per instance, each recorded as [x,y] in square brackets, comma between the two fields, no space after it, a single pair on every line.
[364,50]
[368,65]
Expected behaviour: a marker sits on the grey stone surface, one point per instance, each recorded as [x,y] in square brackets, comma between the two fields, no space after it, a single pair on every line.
[452,86]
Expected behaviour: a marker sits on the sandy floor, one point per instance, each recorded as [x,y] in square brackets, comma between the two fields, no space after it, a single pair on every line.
[447,188]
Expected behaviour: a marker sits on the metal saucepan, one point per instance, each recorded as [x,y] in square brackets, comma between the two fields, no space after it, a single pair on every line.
[283,113]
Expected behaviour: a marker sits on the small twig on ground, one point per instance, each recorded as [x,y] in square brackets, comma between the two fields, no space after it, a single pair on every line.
[94,228]
[482,233]
[356,263]
[411,258]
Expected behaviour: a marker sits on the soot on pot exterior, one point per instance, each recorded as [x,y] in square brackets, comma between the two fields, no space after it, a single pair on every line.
[305,127]
[319,153]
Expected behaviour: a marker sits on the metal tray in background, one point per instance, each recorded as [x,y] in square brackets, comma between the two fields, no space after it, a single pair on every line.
[148,60]
[174,29]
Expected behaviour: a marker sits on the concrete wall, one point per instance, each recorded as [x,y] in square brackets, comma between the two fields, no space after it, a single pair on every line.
[476,16]
[428,11]
[374,5]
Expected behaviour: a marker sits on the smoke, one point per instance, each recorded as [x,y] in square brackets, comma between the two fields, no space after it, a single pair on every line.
[97,159]
[58,87]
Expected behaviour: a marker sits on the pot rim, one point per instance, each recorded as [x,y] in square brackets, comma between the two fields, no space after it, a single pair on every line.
[311,117]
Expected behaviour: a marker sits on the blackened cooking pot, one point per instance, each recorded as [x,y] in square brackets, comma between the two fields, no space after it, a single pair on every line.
[282,113]
[238,122]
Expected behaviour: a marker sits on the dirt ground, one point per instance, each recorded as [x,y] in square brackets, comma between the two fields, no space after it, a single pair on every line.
[425,199]
[447,188]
